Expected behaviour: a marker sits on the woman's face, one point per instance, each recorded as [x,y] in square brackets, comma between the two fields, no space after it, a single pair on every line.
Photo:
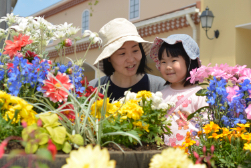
[126,59]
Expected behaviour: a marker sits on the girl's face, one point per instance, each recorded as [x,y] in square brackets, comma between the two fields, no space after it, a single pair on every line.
[126,59]
[173,69]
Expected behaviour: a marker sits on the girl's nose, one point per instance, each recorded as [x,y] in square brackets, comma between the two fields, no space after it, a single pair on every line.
[168,67]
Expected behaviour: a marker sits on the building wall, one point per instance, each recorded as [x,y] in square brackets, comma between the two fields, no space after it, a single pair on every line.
[107,10]
[227,48]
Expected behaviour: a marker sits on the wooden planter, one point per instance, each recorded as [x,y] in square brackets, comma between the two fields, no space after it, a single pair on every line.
[128,159]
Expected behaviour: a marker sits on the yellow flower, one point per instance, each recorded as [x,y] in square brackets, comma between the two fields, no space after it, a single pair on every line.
[246,137]
[114,108]
[211,127]
[31,119]
[97,107]
[141,125]
[214,135]
[170,158]
[132,110]
[144,93]
[11,114]
[225,132]
[89,157]
[247,146]
[188,142]
[5,98]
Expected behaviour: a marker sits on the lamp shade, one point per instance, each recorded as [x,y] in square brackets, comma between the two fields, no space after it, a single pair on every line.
[206,18]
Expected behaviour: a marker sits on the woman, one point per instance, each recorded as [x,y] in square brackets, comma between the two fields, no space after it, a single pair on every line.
[123,60]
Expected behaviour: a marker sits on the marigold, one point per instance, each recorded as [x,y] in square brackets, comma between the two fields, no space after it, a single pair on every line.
[132,110]
[144,94]
[88,156]
[141,125]
[246,137]
[215,136]
[56,91]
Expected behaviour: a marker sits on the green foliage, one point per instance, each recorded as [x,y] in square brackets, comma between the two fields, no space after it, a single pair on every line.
[36,137]
[7,129]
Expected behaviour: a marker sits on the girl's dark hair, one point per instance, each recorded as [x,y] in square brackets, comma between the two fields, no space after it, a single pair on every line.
[174,51]
[142,69]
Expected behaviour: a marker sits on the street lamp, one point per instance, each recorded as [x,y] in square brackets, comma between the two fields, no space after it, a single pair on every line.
[206,19]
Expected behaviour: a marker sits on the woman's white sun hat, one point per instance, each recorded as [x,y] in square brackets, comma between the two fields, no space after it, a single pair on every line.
[114,34]
[190,46]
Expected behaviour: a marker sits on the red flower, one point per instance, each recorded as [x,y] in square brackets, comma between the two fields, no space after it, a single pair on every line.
[20,41]
[11,48]
[85,81]
[68,111]
[30,56]
[89,90]
[54,90]
[23,39]
[52,148]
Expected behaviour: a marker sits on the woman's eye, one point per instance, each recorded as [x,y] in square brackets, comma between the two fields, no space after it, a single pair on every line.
[122,54]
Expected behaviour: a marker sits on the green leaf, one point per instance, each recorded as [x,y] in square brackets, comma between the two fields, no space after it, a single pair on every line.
[42,165]
[49,120]
[15,153]
[67,147]
[31,147]
[197,111]
[58,134]
[77,139]
[44,154]
[201,92]
[96,2]
[43,138]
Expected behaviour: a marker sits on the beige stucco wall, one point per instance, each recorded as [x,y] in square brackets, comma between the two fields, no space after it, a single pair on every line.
[227,48]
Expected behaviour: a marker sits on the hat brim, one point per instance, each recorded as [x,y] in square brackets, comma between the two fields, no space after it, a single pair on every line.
[114,46]
[156,46]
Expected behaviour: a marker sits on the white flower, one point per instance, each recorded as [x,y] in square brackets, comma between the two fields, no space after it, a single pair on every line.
[21,27]
[153,107]
[64,26]
[89,157]
[196,166]
[87,33]
[59,34]
[10,18]
[72,30]
[163,106]
[97,40]
[159,94]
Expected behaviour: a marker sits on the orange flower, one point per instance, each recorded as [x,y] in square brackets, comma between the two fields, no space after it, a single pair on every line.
[246,137]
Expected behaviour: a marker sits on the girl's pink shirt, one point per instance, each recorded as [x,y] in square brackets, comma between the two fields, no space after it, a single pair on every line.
[180,126]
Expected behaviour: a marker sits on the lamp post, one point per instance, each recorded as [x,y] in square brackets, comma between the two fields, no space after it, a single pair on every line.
[206,19]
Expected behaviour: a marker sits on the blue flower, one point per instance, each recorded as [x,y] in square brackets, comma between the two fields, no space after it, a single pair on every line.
[240,120]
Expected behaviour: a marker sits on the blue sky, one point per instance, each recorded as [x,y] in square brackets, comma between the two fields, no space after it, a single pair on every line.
[29,7]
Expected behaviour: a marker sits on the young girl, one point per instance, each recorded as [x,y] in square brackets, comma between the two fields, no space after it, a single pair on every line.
[175,57]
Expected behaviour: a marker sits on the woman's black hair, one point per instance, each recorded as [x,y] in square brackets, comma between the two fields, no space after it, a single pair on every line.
[142,69]
[176,50]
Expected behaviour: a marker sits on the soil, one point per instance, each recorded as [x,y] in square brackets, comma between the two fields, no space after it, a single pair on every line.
[111,147]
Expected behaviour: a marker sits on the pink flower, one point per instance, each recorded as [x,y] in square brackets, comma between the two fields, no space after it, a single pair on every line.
[231,92]
[2,146]
[248,111]
[56,91]
[67,42]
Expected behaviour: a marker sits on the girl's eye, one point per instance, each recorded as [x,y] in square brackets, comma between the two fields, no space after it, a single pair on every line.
[122,54]
[174,60]
[135,51]
[162,62]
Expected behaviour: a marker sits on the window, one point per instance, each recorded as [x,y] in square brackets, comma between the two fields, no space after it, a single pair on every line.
[85,20]
[134,9]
